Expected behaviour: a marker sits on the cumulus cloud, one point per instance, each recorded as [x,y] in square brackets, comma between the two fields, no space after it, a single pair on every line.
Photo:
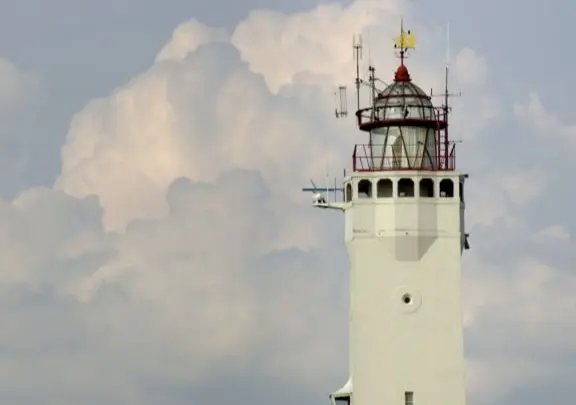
[170,299]
[16,85]
[186,38]
[176,246]
[539,119]
[176,118]
[196,118]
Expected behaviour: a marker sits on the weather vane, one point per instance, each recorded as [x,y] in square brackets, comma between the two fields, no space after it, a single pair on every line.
[404,42]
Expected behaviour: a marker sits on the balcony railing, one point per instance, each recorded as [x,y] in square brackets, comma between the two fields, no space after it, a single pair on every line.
[371,118]
[371,158]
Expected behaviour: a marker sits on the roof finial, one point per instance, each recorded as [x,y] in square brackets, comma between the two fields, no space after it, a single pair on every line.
[404,43]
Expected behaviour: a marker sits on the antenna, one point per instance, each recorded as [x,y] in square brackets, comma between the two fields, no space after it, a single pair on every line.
[447,94]
[446,109]
[341,102]
[369,47]
[372,70]
[357,47]
[320,195]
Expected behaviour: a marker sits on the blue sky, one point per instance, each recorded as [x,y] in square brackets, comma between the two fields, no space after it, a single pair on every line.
[128,276]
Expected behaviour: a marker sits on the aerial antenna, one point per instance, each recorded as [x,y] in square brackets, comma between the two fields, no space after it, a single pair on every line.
[341,96]
[320,195]
[369,48]
[357,47]
[446,108]
[447,72]
[372,70]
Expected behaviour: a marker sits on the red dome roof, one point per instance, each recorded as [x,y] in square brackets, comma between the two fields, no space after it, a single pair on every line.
[402,74]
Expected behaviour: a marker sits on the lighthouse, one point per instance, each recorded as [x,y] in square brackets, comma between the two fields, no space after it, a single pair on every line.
[403,204]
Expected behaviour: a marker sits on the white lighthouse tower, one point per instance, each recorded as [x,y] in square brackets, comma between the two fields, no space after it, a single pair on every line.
[404,219]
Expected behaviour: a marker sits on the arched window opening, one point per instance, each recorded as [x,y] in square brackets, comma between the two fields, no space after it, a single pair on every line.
[385,188]
[364,189]
[405,188]
[447,188]
[348,193]
[426,188]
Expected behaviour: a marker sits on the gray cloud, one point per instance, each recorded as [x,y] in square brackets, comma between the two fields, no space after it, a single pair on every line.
[92,315]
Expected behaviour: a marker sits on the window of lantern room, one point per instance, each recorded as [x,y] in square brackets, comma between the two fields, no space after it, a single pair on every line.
[385,188]
[447,188]
[405,188]
[364,189]
[426,188]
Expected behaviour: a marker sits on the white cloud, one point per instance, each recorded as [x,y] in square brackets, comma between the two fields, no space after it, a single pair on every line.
[319,42]
[525,312]
[525,185]
[553,233]
[176,243]
[16,85]
[197,118]
[170,299]
[536,117]
[128,148]
[186,38]
[470,68]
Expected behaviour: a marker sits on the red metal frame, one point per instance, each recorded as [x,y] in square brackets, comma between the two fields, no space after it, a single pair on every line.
[362,160]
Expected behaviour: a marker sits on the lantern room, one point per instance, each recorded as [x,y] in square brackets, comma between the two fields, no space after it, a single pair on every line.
[407,132]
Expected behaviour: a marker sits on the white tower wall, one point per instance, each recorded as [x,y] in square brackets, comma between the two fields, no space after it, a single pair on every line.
[406,248]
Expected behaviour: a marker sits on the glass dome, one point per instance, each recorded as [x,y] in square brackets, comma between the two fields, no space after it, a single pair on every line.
[404,100]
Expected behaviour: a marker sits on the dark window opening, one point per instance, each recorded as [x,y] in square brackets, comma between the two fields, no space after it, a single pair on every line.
[342,400]
[348,196]
[405,188]
[408,398]
[426,188]
[385,188]
[447,188]
[461,191]
[364,189]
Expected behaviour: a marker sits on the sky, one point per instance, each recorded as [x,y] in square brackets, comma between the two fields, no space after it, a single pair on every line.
[154,243]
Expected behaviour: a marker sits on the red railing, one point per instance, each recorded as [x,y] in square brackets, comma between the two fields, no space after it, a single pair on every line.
[370,158]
